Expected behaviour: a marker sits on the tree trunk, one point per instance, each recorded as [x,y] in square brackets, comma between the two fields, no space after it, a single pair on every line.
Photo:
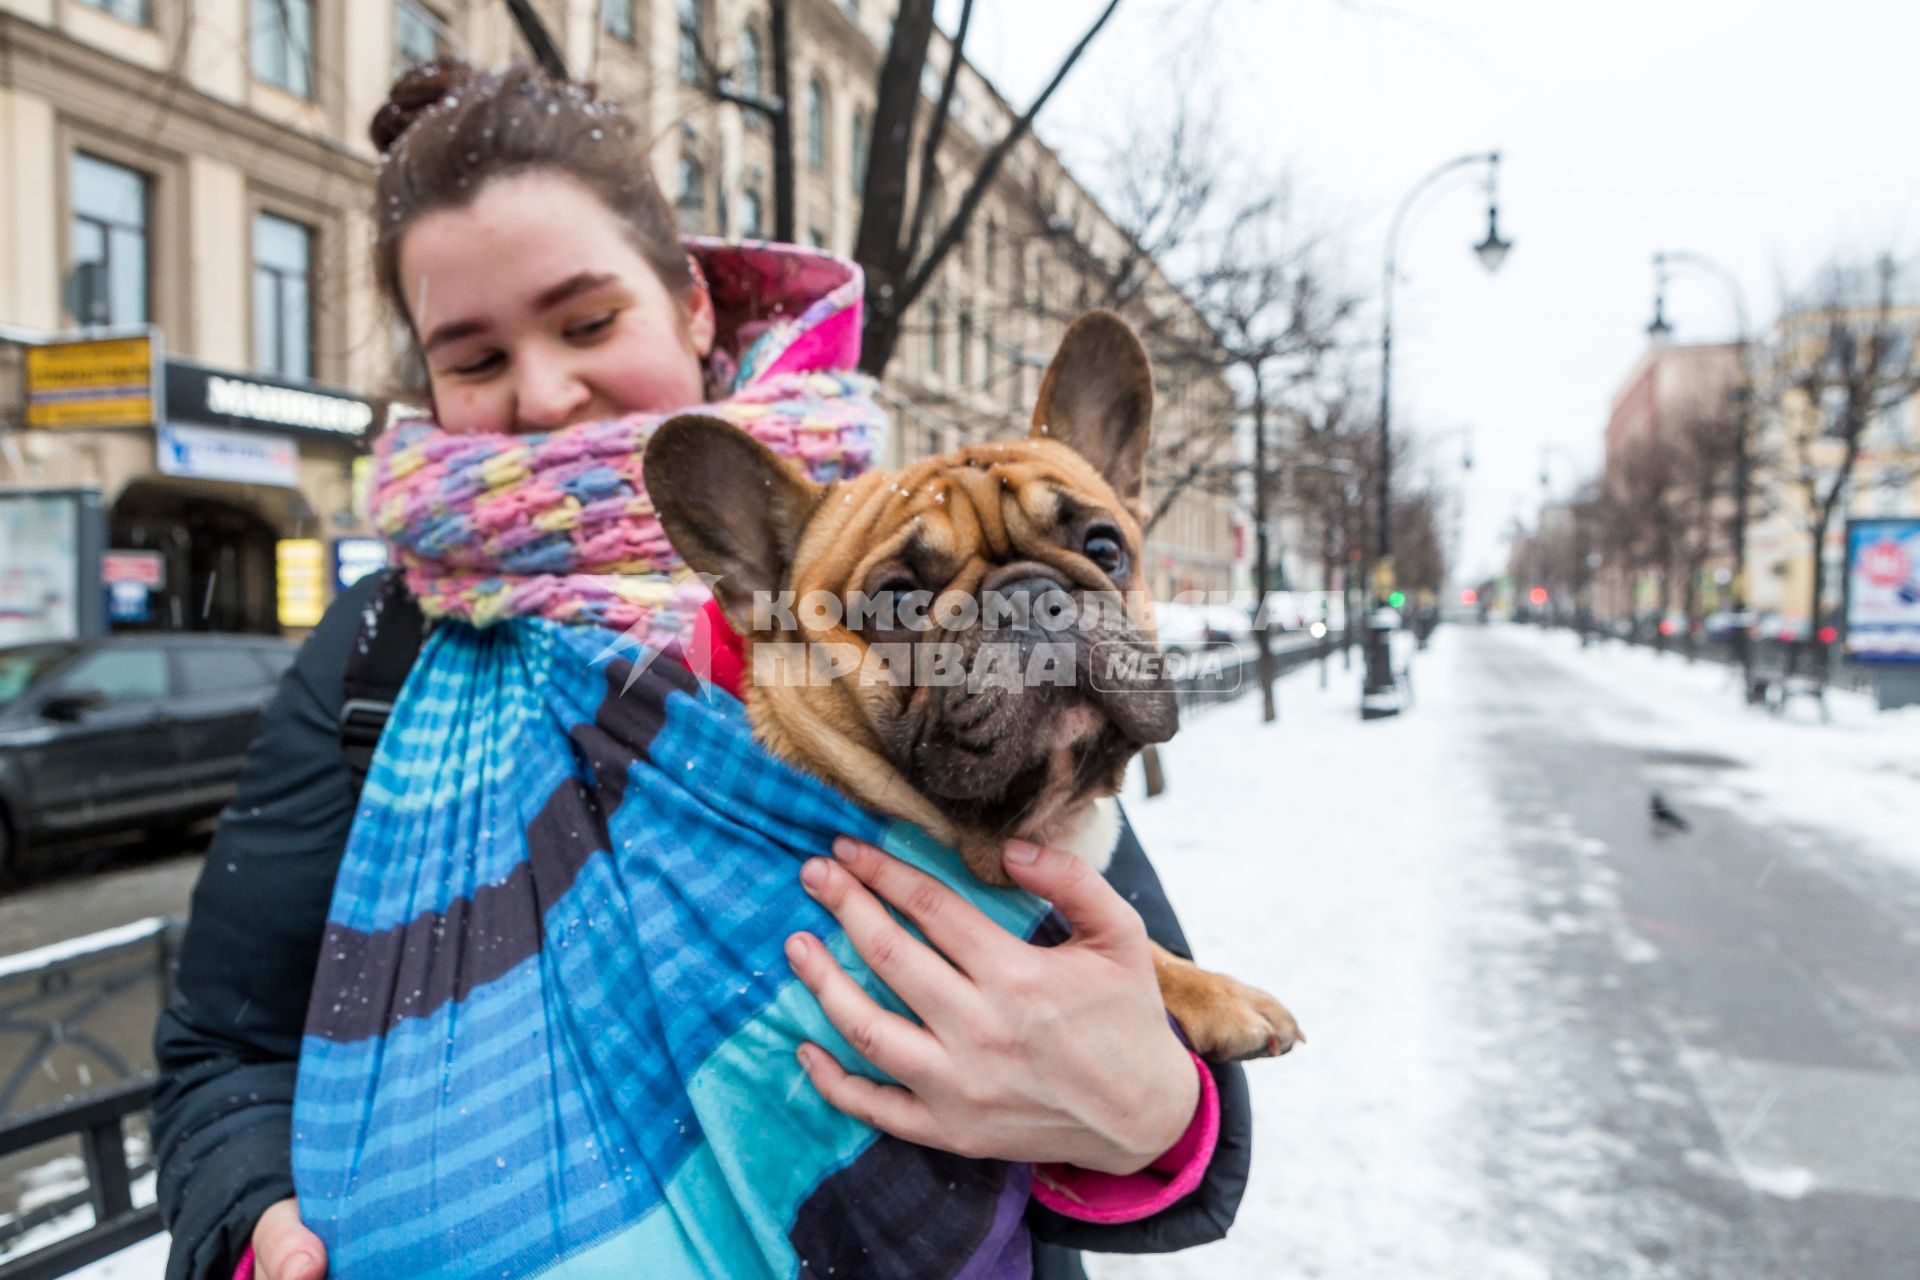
[784,200]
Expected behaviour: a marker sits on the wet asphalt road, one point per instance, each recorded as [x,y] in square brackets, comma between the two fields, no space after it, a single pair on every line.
[1731,1014]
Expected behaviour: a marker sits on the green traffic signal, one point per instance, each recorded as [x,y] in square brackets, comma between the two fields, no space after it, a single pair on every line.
[1397,599]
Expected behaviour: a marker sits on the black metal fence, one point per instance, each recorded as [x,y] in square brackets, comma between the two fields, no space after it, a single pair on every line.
[76,1028]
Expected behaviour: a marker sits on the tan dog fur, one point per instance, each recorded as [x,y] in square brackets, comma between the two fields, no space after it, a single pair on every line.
[960,517]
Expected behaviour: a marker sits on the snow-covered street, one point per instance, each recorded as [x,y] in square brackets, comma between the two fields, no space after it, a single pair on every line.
[1549,1037]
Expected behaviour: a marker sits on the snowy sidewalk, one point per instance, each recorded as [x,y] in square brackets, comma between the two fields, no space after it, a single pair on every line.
[1341,866]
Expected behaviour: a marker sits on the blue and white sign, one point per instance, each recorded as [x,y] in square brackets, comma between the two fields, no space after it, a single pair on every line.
[215,453]
[1883,591]
[355,558]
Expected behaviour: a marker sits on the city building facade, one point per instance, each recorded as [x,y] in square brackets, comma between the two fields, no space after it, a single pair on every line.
[199,177]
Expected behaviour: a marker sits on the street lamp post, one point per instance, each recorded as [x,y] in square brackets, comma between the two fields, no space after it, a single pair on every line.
[1380,695]
[1658,329]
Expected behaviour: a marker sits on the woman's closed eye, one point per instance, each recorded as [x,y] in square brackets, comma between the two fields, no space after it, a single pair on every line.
[479,365]
[591,328]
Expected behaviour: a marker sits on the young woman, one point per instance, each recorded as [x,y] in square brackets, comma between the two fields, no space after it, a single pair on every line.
[541,273]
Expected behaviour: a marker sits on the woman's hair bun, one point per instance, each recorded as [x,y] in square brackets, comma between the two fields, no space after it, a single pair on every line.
[419,89]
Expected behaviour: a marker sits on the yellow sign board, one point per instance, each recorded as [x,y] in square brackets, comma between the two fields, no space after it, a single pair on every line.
[93,382]
[300,565]
[1383,581]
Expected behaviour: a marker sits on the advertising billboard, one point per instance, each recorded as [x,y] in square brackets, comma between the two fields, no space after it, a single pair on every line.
[1883,591]
[50,545]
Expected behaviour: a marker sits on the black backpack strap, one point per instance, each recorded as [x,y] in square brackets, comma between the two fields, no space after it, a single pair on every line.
[389,637]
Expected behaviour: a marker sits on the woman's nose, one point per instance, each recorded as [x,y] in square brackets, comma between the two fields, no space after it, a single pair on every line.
[550,396]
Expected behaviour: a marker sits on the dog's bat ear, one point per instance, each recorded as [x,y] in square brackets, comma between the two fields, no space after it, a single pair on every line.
[1097,398]
[732,507]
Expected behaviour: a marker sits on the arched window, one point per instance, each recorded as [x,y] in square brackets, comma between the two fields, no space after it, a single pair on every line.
[857,145]
[690,32]
[750,75]
[752,216]
[935,362]
[816,124]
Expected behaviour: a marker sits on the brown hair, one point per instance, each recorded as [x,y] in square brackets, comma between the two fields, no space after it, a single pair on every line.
[448,127]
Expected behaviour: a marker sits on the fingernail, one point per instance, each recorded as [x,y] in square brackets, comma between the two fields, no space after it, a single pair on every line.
[805,1054]
[796,949]
[813,874]
[301,1266]
[1022,852]
[848,850]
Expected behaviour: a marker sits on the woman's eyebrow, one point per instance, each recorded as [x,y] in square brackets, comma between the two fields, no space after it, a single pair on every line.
[574,285]
[452,331]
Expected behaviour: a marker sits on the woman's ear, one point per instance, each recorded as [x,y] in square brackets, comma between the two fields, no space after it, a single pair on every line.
[702,325]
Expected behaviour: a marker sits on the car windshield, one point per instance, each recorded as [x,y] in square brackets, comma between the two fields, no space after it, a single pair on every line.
[22,665]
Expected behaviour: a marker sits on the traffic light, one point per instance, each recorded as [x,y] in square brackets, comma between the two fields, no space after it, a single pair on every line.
[1397,599]
[1538,595]
[1469,596]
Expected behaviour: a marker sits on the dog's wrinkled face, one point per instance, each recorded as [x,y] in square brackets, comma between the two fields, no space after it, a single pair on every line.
[972,628]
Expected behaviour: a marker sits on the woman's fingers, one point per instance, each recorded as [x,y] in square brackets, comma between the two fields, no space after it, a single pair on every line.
[911,969]
[283,1248]
[890,1042]
[1093,909]
[961,930]
[884,1107]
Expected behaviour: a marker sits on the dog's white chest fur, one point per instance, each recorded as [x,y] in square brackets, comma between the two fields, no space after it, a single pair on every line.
[1093,834]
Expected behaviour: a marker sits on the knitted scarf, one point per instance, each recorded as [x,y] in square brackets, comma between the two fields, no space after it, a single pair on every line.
[552,1029]
[559,525]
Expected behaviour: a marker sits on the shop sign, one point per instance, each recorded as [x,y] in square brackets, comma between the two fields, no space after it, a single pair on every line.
[1883,591]
[299,564]
[146,568]
[91,382]
[220,397]
[212,453]
[355,558]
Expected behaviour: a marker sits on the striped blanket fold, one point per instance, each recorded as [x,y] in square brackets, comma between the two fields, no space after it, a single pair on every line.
[553,1028]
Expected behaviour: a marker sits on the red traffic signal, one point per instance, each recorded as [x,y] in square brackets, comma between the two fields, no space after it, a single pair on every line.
[1538,595]
[1829,634]
[1469,596]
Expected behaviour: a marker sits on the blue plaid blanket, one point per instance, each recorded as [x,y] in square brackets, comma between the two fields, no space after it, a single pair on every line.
[553,1028]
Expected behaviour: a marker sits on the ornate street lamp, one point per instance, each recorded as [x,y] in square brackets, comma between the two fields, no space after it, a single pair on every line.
[1380,696]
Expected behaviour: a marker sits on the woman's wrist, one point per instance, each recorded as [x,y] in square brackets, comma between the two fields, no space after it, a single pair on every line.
[1164,1116]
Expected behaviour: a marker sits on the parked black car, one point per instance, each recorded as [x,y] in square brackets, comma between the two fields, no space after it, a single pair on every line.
[126,731]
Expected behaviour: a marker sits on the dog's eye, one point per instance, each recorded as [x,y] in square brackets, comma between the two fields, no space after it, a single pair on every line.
[898,584]
[1105,548]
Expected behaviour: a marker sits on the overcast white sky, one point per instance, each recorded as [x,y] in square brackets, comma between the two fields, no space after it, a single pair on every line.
[1765,134]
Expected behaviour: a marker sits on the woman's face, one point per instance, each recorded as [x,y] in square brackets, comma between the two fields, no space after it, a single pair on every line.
[534,311]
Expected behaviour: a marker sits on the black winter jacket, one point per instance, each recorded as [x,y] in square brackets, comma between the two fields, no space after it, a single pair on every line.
[228,1048]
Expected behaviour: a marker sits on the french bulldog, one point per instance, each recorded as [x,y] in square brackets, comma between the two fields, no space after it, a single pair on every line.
[965,642]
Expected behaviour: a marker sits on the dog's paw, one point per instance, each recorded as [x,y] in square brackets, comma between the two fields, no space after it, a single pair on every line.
[1244,1022]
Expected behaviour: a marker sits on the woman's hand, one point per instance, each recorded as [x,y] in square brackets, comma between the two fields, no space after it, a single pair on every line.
[1027,1053]
[283,1248]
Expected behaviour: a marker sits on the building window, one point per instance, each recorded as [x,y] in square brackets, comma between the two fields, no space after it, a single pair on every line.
[134,11]
[282,297]
[693,184]
[109,243]
[750,64]
[963,354]
[816,238]
[857,148]
[283,44]
[752,217]
[616,19]
[416,35]
[988,248]
[691,26]
[816,124]
[935,363]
